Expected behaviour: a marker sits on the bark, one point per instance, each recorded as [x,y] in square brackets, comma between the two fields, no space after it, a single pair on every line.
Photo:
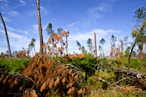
[130,54]
[129,73]
[119,49]
[121,44]
[91,48]
[141,49]
[111,50]
[145,47]
[40,26]
[6,36]
[95,44]
[66,45]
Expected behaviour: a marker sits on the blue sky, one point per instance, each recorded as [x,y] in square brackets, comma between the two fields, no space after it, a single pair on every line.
[80,17]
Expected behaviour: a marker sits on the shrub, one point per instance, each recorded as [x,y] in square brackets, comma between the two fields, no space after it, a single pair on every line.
[13,65]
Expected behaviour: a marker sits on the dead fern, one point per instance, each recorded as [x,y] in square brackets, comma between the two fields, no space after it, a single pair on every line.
[13,84]
[52,77]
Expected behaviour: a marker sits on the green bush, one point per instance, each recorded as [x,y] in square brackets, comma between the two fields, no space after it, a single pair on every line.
[13,65]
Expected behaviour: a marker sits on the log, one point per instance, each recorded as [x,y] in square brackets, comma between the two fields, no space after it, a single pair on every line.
[129,73]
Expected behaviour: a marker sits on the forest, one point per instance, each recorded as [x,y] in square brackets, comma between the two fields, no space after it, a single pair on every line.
[53,72]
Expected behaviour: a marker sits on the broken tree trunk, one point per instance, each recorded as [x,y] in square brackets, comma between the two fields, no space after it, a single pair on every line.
[95,43]
[6,35]
[40,27]
[129,73]
[141,49]
[121,44]
[66,45]
[130,54]
[140,77]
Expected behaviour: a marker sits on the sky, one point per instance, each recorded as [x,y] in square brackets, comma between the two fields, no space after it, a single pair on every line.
[80,17]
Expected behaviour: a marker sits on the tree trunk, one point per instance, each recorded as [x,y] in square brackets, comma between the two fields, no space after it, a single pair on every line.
[121,44]
[66,45]
[103,50]
[95,43]
[111,49]
[145,47]
[40,27]
[130,54]
[141,49]
[119,50]
[6,36]
[91,48]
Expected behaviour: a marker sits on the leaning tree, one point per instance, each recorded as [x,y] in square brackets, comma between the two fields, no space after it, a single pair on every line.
[6,36]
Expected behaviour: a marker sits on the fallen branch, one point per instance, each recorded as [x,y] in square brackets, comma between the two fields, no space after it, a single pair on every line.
[129,73]
[102,80]
[120,81]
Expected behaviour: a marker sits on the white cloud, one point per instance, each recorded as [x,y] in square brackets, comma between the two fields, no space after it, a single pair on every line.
[6,19]
[21,31]
[16,30]
[33,13]
[2,49]
[35,27]
[104,7]
[4,6]
[72,24]
[44,10]
[114,31]
[2,31]
[4,1]
[13,13]
[17,41]
[13,35]
[10,28]
[90,34]
[22,2]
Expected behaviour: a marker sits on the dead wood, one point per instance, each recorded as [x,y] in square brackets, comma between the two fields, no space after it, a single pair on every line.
[129,73]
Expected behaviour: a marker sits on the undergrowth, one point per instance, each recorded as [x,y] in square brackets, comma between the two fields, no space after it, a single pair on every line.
[13,65]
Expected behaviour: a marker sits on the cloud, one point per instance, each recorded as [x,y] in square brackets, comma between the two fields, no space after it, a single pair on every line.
[21,31]
[10,28]
[44,10]
[16,30]
[4,6]
[2,49]
[13,13]
[6,19]
[70,25]
[4,1]
[99,34]
[35,27]
[2,31]
[102,8]
[22,2]
[114,31]
[32,13]
[17,41]
[13,35]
